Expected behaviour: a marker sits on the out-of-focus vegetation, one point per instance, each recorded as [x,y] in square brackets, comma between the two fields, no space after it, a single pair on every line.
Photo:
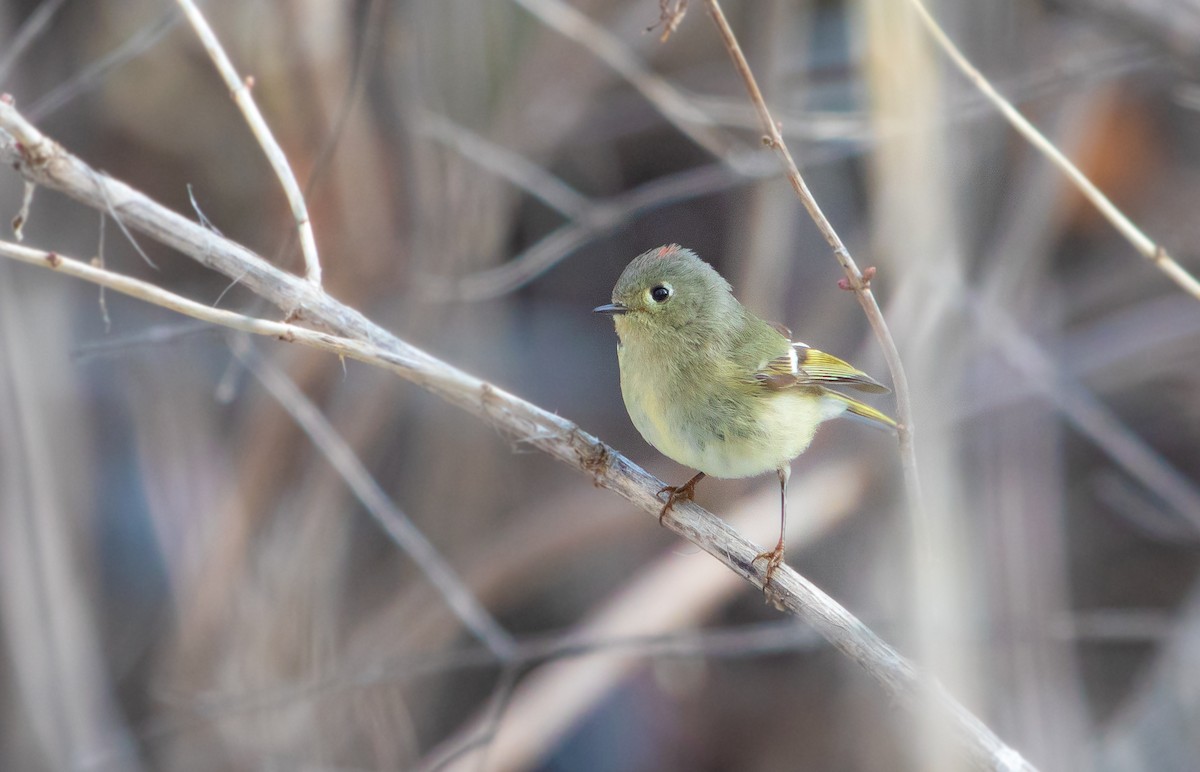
[185,582]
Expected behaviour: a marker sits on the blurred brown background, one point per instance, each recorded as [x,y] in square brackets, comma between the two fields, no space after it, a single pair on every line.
[185,582]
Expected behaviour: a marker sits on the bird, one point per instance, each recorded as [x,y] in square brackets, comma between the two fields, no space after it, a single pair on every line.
[717,389]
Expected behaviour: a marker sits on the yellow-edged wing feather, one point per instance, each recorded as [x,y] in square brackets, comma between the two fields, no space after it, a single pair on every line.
[805,366]
[865,412]
[827,369]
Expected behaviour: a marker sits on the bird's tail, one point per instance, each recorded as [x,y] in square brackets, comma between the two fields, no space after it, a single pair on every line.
[864,413]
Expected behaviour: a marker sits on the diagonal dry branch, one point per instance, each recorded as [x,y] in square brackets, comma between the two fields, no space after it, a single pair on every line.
[350,334]
[1155,253]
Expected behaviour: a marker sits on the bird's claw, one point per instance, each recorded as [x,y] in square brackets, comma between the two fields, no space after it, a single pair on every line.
[674,493]
[774,560]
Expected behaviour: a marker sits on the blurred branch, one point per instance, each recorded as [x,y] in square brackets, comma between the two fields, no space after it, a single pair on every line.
[856,280]
[741,642]
[368,492]
[600,217]
[53,639]
[30,30]
[1084,411]
[502,162]
[673,105]
[89,78]
[1082,64]
[674,592]
[240,91]
[1153,252]
[1171,23]
[41,160]
[1156,729]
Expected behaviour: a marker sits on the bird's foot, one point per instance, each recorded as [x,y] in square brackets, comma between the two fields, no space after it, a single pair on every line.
[774,560]
[685,492]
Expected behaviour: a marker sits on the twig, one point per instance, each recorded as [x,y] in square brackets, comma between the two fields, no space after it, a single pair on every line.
[1153,252]
[100,262]
[856,280]
[18,222]
[43,161]
[239,89]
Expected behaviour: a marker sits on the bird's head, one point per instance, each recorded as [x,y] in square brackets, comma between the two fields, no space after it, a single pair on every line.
[668,293]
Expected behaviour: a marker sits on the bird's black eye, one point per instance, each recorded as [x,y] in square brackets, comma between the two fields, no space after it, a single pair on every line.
[660,294]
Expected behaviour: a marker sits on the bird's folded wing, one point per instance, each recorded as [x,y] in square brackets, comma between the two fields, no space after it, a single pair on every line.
[804,365]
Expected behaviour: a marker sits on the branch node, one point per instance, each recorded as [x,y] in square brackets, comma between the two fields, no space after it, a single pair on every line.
[594,457]
[288,337]
[53,259]
[488,401]
[18,223]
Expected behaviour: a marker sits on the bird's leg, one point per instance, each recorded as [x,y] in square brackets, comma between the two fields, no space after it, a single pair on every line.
[675,493]
[775,556]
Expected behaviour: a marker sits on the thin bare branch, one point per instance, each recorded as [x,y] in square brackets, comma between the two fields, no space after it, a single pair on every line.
[18,222]
[858,281]
[239,89]
[1153,252]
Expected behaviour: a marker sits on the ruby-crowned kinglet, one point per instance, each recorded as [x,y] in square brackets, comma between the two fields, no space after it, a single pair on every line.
[714,387]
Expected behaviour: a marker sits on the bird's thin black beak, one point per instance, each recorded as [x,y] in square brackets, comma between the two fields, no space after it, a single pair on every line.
[610,308]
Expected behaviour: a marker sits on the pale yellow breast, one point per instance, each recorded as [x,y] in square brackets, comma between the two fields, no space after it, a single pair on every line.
[781,426]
